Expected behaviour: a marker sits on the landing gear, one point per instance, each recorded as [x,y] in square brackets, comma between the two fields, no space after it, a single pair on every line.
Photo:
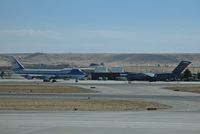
[54,80]
[2,74]
[46,80]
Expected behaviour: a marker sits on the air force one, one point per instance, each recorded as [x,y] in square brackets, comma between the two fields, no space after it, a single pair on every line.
[48,74]
[174,75]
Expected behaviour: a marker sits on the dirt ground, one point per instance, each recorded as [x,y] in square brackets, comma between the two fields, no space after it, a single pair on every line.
[88,104]
[42,88]
[81,105]
[185,88]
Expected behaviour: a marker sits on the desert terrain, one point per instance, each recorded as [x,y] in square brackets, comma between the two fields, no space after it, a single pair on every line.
[130,62]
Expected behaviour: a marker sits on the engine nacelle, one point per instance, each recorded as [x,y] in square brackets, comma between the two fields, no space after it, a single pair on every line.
[28,77]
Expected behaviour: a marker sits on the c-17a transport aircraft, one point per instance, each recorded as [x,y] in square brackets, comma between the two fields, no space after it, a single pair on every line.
[174,75]
[48,74]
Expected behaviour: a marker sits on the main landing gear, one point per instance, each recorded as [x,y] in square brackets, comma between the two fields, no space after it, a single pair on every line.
[53,80]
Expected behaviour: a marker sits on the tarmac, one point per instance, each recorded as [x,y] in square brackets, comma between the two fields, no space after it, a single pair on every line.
[143,122]
[182,118]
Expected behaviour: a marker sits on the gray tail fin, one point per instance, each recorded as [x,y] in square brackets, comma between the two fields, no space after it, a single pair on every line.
[181,66]
[18,65]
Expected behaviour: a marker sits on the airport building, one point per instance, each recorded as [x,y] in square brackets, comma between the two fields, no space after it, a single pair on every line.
[103,73]
[117,69]
[101,69]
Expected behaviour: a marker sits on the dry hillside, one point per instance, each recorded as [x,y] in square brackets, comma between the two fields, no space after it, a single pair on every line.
[84,60]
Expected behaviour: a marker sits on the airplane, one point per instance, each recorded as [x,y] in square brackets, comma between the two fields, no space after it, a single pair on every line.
[174,75]
[48,74]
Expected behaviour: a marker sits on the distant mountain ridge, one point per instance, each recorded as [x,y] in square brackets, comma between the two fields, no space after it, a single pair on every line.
[109,59]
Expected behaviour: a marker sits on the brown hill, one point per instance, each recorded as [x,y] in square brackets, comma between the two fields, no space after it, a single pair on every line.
[84,60]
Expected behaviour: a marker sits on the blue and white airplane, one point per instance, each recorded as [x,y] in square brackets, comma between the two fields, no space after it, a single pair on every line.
[48,74]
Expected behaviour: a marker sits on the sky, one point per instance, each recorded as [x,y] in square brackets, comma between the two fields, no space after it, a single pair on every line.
[100,26]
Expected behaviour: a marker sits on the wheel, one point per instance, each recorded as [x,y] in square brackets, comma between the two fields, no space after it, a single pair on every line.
[46,80]
[54,80]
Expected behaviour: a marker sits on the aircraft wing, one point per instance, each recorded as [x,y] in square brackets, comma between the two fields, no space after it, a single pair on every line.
[149,74]
[39,76]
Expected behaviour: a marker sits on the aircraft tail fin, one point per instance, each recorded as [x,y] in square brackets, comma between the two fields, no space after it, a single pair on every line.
[181,66]
[18,65]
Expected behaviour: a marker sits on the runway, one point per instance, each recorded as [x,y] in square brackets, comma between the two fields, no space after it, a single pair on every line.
[182,118]
[100,123]
[67,96]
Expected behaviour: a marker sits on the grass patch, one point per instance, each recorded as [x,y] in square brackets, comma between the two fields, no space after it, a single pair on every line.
[73,105]
[185,88]
[42,88]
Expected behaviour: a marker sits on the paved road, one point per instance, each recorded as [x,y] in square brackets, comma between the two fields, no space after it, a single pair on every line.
[100,123]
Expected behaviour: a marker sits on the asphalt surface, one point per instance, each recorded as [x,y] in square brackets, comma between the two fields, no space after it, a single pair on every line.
[100,123]
[183,118]
[120,90]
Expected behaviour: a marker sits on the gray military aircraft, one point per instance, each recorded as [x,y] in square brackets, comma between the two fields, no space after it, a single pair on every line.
[174,75]
[48,74]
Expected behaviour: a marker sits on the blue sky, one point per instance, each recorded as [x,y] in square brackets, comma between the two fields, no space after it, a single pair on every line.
[109,26]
